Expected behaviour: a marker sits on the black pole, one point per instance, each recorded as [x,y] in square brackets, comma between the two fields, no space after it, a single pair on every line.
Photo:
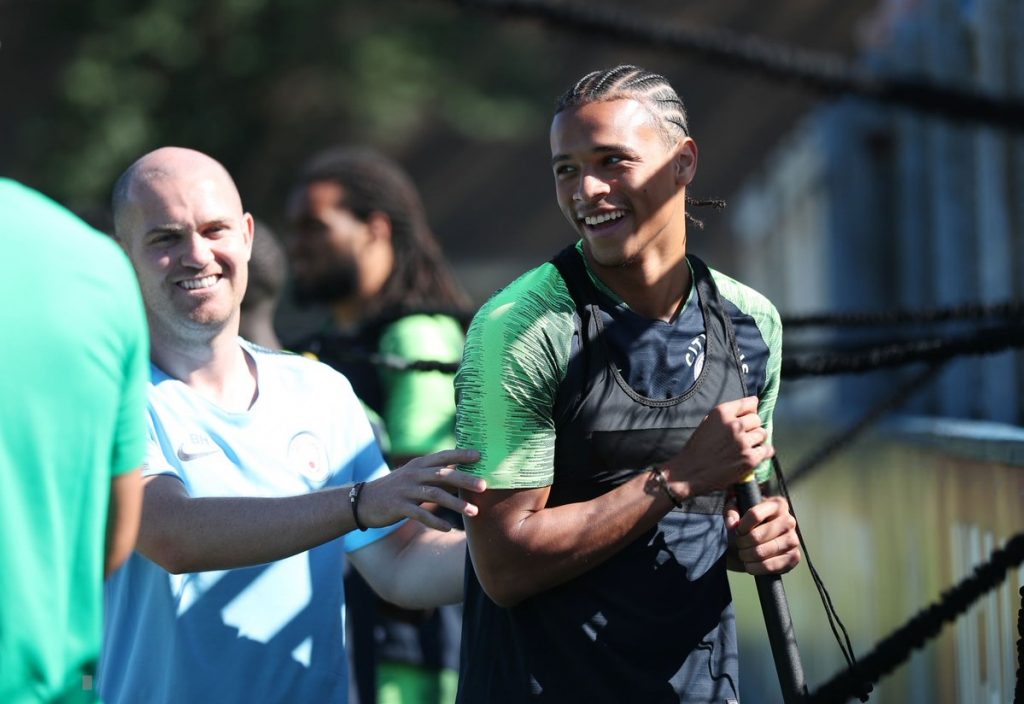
[776,615]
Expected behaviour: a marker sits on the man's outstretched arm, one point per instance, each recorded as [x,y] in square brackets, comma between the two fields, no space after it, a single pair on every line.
[182,533]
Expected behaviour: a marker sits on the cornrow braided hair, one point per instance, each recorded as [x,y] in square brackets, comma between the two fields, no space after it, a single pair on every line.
[653,91]
[631,82]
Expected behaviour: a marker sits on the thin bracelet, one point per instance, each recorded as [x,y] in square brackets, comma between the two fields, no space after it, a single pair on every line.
[353,500]
[663,483]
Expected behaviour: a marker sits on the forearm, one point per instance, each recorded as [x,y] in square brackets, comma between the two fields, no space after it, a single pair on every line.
[415,567]
[430,569]
[123,515]
[199,534]
[539,548]
[186,534]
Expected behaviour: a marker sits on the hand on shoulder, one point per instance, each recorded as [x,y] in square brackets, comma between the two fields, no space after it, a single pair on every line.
[431,479]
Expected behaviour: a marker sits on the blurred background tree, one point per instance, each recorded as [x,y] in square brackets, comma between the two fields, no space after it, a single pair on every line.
[257,83]
[461,98]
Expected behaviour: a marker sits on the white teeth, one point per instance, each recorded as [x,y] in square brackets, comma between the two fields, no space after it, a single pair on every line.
[193,284]
[603,217]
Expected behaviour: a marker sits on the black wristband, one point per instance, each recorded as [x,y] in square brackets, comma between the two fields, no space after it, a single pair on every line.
[353,500]
[663,483]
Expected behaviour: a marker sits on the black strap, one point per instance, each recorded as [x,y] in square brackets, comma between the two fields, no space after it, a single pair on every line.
[703,273]
[570,266]
[569,263]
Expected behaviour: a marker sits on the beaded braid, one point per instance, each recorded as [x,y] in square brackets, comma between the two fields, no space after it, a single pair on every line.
[650,89]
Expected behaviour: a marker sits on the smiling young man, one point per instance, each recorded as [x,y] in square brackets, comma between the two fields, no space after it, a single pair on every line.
[257,463]
[616,393]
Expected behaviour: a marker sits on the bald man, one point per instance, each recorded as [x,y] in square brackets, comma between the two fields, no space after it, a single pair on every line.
[261,477]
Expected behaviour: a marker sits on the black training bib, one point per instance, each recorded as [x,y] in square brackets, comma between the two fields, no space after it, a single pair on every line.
[654,623]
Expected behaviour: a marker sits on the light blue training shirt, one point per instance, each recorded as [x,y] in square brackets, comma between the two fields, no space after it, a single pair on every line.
[269,633]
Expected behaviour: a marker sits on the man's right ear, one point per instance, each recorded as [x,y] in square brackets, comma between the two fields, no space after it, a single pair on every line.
[685,161]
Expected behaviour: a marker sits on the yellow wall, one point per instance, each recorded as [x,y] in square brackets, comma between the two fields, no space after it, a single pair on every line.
[891,524]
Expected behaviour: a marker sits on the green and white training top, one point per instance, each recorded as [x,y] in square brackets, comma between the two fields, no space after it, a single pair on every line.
[519,347]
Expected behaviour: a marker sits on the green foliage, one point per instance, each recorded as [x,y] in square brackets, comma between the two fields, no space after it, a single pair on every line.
[261,83]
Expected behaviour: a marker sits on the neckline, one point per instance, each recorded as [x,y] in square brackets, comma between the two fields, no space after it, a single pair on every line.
[703,304]
[603,288]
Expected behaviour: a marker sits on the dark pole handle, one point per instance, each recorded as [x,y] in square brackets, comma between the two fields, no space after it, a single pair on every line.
[777,618]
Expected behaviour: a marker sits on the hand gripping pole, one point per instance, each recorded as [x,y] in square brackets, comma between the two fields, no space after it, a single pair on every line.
[776,614]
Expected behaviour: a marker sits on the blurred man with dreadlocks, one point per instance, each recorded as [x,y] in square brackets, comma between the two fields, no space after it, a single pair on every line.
[361,244]
[268,271]
[616,393]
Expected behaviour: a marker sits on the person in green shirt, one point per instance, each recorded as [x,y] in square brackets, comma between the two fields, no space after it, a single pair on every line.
[74,368]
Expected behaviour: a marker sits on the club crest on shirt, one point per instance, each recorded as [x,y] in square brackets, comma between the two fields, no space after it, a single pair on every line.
[308,457]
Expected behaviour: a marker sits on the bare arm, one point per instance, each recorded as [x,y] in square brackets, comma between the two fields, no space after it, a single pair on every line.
[415,567]
[123,515]
[521,547]
[186,534]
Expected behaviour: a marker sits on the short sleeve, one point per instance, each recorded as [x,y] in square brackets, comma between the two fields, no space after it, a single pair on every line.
[516,355]
[365,462]
[155,461]
[768,324]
